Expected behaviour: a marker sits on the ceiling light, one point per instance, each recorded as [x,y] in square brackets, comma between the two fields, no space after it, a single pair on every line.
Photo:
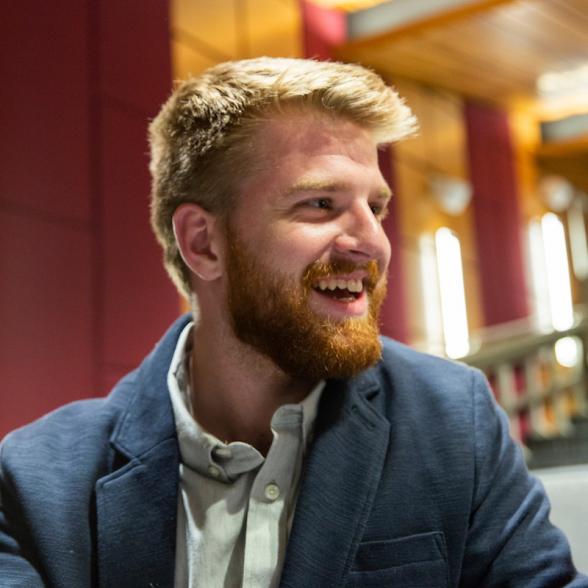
[453,194]
[556,83]
[452,292]
[556,192]
[348,5]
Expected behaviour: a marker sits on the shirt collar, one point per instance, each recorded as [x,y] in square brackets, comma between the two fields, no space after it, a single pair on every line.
[199,449]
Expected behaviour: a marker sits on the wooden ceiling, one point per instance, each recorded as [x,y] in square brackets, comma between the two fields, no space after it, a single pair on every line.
[496,54]
[568,159]
[492,50]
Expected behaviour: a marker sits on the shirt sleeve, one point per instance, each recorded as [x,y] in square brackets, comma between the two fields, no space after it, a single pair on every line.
[511,541]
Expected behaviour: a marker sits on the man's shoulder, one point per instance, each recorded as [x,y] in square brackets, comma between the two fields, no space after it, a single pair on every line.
[85,427]
[76,432]
[430,371]
[419,383]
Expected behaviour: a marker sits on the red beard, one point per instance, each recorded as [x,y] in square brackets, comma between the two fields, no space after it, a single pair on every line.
[271,312]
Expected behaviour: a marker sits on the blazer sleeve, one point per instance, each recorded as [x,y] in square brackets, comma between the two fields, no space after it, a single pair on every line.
[510,539]
[16,570]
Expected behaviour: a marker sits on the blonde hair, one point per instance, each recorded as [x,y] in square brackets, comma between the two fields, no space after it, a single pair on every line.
[201,140]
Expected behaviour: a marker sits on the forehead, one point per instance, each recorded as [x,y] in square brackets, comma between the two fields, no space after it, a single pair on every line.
[311,132]
[309,147]
[293,155]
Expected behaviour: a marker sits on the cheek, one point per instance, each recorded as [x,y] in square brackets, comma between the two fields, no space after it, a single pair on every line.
[309,242]
[286,256]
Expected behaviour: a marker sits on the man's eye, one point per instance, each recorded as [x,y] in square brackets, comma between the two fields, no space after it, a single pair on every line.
[322,203]
[379,211]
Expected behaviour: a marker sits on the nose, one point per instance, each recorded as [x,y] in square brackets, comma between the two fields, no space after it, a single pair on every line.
[362,237]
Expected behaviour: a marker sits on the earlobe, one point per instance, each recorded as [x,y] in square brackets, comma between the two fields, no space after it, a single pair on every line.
[195,230]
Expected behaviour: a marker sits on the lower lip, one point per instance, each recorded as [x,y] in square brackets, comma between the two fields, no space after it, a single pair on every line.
[339,309]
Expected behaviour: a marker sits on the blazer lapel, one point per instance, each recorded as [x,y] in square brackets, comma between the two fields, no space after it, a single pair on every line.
[340,477]
[136,504]
[136,521]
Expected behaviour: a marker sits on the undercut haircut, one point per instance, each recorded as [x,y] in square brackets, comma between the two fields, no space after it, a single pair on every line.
[202,140]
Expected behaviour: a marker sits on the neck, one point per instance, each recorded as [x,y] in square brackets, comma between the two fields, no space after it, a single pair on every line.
[235,389]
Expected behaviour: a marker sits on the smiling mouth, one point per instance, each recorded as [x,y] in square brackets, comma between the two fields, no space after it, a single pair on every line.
[340,289]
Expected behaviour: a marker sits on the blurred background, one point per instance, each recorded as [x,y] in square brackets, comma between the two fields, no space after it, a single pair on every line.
[488,223]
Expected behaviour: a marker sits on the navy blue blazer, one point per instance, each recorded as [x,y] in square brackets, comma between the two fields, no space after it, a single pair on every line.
[411,481]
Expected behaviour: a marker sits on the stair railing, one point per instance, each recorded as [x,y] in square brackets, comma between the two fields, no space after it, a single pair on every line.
[541,397]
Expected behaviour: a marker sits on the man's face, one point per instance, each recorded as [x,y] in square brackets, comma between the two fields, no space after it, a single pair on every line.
[307,255]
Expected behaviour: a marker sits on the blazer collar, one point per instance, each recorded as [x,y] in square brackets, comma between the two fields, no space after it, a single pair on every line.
[136,504]
[148,419]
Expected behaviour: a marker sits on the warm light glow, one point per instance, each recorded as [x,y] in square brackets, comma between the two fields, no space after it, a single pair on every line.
[568,351]
[558,107]
[563,93]
[556,192]
[557,272]
[570,81]
[538,277]
[451,287]
[431,298]
[348,5]
[578,239]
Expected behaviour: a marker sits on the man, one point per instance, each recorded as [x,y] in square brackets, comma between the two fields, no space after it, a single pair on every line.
[276,440]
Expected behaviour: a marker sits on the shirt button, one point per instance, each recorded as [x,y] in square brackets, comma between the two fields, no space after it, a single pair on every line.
[214,471]
[272,491]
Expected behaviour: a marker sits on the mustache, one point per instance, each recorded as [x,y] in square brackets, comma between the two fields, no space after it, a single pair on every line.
[317,270]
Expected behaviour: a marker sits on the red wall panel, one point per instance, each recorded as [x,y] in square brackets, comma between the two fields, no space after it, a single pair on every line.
[83,295]
[44,147]
[134,52]
[136,293]
[137,300]
[323,29]
[45,302]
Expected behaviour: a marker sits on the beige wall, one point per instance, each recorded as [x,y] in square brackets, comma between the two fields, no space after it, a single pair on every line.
[439,148]
[204,33]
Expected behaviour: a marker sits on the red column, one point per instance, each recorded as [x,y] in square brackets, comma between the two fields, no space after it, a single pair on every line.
[323,29]
[82,294]
[394,323]
[496,214]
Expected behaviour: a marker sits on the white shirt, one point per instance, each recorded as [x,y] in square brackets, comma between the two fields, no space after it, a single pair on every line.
[235,507]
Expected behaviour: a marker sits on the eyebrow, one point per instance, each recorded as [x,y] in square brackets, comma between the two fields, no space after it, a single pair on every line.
[383,193]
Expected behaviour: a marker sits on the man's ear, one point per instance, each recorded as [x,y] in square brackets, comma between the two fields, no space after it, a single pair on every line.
[197,236]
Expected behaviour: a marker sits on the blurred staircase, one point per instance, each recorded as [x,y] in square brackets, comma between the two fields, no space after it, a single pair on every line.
[540,379]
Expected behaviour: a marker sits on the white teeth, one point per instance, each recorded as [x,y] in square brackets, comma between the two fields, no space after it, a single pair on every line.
[354,286]
[333,283]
